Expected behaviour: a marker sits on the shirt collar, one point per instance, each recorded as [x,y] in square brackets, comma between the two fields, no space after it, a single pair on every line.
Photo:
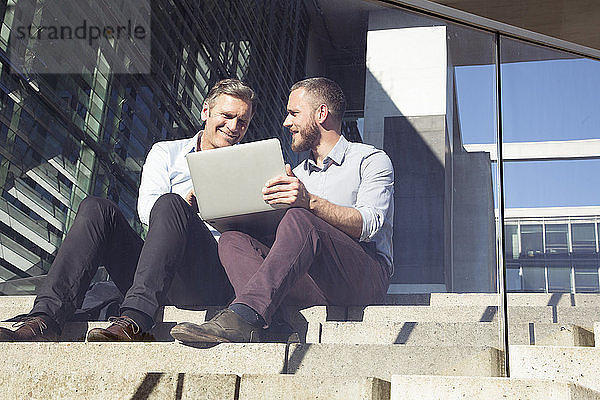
[339,151]
[336,155]
[190,147]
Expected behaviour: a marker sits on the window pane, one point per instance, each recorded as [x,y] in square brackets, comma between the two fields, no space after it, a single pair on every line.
[511,241]
[584,238]
[557,238]
[534,279]
[531,240]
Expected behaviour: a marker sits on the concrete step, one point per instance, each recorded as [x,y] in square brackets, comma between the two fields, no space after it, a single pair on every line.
[77,332]
[284,387]
[453,334]
[79,358]
[378,361]
[493,299]
[581,316]
[578,365]
[407,333]
[160,385]
[485,388]
[447,314]
[86,384]
[307,321]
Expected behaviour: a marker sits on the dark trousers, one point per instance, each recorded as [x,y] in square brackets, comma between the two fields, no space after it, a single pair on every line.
[177,263]
[309,263]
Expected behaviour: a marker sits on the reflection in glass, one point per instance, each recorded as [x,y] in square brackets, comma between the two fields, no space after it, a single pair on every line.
[511,241]
[550,122]
[531,240]
[584,238]
[557,239]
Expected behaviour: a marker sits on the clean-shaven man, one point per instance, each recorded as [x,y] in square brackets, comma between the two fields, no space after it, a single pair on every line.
[178,261]
[334,246]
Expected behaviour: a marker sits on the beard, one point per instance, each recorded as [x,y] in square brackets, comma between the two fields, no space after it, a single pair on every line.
[306,138]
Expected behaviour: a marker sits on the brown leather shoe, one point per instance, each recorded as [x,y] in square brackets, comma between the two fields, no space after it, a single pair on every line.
[224,327]
[122,329]
[39,328]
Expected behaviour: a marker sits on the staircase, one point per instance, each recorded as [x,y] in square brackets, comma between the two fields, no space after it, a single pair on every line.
[437,346]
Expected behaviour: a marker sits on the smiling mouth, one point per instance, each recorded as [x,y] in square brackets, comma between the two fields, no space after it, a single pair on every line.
[229,135]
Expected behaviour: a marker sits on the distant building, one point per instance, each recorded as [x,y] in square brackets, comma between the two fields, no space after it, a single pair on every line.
[552,249]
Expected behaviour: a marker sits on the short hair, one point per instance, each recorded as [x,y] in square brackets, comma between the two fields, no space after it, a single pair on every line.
[232,87]
[324,91]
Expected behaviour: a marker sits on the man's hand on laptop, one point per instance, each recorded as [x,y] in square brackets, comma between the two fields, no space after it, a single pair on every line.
[191,198]
[287,189]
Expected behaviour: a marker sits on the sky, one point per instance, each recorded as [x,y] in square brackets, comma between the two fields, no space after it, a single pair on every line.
[541,101]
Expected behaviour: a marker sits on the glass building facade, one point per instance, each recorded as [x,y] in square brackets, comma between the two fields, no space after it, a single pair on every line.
[67,136]
[486,132]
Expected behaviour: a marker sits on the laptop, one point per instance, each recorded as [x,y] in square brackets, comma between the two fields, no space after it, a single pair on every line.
[228,184]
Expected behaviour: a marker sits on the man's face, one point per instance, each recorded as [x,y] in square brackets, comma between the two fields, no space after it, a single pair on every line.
[226,121]
[301,121]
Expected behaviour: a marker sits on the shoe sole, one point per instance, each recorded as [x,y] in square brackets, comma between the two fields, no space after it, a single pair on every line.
[103,337]
[186,334]
[100,337]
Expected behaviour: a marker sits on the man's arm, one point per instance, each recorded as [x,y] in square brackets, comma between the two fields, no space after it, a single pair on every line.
[373,200]
[290,190]
[375,196]
[155,181]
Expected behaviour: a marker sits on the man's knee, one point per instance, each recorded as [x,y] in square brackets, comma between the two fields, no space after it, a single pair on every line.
[231,238]
[94,207]
[167,203]
[297,215]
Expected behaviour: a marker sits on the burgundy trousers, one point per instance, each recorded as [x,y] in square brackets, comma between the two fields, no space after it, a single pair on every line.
[310,263]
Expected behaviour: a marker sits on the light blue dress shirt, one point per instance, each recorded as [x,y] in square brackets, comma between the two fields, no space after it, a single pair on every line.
[165,171]
[360,176]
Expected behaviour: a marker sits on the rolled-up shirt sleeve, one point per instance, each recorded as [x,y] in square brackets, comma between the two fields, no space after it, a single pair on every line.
[375,194]
[155,181]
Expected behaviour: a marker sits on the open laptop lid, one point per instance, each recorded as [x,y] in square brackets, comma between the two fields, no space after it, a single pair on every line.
[228,181]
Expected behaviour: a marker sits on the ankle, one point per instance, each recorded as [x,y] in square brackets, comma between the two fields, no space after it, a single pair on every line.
[248,314]
[143,320]
[49,321]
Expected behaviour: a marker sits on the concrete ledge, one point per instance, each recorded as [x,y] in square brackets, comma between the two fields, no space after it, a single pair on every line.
[274,387]
[433,334]
[516,299]
[464,313]
[74,358]
[124,385]
[453,334]
[383,361]
[582,316]
[484,388]
[556,335]
[572,364]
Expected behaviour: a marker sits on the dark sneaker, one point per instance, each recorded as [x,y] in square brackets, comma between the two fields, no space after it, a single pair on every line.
[122,329]
[39,328]
[225,327]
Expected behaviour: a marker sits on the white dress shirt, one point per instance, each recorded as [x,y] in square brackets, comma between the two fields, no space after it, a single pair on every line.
[165,171]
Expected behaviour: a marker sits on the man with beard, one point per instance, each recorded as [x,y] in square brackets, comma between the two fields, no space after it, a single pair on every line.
[333,247]
[177,263]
